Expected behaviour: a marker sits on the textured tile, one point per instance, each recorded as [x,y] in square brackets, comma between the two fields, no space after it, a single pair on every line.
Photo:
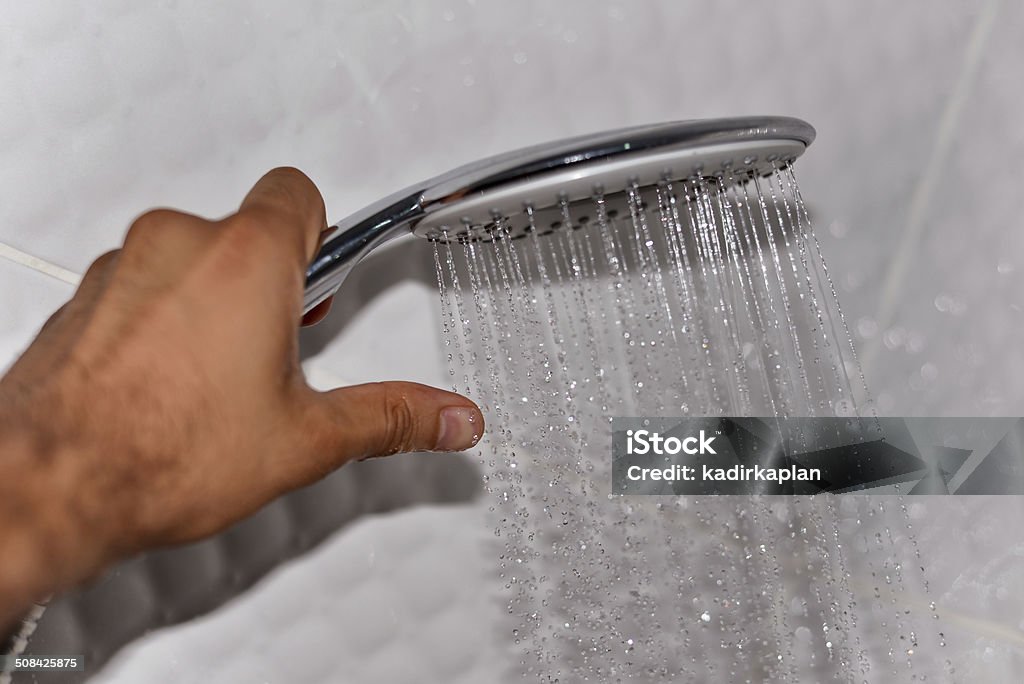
[351,610]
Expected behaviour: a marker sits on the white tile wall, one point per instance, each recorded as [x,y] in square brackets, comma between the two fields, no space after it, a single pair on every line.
[111,107]
[27,300]
[397,598]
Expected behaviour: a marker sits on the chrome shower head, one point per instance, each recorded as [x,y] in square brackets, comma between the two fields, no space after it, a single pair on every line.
[530,186]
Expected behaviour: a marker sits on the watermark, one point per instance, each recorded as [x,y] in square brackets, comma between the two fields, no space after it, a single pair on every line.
[42,663]
[734,473]
[780,456]
[645,441]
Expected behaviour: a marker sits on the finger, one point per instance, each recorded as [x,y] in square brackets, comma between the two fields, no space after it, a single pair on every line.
[320,311]
[287,198]
[55,318]
[317,313]
[324,234]
[384,418]
[97,276]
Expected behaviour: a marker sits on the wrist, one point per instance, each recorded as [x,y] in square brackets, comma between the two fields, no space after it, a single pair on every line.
[48,542]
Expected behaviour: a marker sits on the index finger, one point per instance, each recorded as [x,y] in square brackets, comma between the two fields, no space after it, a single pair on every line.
[288,198]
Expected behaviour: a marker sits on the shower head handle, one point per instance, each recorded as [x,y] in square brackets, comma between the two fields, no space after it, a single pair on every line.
[462,203]
[353,238]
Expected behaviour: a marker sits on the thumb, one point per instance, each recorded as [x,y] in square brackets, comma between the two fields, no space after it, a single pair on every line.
[383,418]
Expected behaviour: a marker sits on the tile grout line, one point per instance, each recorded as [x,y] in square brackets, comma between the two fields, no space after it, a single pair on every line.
[919,201]
[36,264]
[60,273]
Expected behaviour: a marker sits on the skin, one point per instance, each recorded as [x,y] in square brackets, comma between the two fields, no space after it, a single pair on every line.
[165,400]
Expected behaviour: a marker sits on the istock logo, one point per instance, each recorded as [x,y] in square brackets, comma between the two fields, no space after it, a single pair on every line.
[645,442]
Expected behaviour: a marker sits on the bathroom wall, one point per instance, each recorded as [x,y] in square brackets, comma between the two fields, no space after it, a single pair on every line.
[111,107]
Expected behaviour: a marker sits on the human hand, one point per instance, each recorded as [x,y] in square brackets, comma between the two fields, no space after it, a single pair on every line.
[165,400]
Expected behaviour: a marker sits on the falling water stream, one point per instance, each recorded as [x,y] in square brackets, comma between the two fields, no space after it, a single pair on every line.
[705,297]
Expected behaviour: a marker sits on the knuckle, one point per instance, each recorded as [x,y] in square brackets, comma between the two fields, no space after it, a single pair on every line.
[290,173]
[151,223]
[55,318]
[244,244]
[101,264]
[244,222]
[290,185]
[99,270]
[400,420]
[248,232]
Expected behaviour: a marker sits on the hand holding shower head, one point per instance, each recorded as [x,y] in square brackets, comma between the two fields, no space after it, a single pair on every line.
[528,187]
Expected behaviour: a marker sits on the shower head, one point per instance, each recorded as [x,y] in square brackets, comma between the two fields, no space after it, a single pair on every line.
[529,187]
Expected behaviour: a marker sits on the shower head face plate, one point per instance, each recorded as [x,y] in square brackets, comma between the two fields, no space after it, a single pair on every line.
[529,188]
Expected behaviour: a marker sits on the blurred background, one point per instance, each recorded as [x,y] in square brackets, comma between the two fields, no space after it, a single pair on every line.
[111,107]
